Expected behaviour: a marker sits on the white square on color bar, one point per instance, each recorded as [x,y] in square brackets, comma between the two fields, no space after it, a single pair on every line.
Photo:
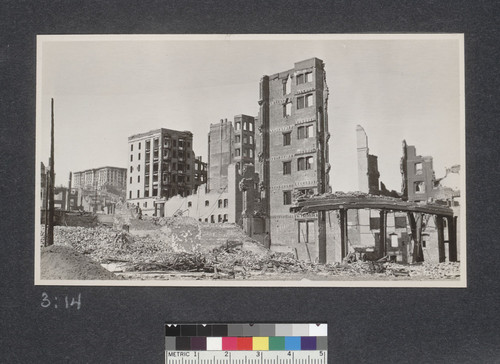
[321,330]
[214,343]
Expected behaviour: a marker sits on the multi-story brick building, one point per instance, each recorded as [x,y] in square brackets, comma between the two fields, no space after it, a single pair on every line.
[229,193]
[228,144]
[161,164]
[293,153]
[97,178]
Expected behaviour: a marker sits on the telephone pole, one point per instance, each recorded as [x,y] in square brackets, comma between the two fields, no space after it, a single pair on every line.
[50,235]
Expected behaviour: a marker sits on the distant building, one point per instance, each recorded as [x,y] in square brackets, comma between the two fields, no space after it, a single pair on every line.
[161,165]
[292,154]
[97,178]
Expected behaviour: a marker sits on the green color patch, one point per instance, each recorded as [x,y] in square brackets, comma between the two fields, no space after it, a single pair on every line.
[277,343]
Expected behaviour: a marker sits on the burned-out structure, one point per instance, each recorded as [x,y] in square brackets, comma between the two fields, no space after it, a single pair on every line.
[230,192]
[161,165]
[292,149]
[386,227]
[414,225]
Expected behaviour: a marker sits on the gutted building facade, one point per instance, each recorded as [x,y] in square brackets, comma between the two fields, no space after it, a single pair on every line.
[292,155]
[161,164]
[368,174]
[228,144]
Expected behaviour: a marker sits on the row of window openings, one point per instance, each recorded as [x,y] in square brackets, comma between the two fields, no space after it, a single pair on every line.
[220,203]
[174,192]
[303,164]
[246,140]
[220,218]
[246,152]
[287,195]
[166,167]
[246,125]
[166,142]
[303,132]
[166,154]
[299,80]
[166,179]
[302,103]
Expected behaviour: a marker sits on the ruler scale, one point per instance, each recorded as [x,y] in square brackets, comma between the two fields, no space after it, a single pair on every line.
[259,343]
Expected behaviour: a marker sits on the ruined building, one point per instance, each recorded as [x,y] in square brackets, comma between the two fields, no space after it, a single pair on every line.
[200,172]
[376,223]
[368,174]
[161,165]
[229,194]
[292,154]
[228,144]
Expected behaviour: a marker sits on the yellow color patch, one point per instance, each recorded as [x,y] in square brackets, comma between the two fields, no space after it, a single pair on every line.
[260,343]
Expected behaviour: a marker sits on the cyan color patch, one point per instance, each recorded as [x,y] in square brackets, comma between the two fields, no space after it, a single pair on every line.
[292,343]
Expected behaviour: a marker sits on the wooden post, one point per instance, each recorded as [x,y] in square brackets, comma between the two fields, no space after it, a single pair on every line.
[440,231]
[452,239]
[46,207]
[418,253]
[50,235]
[322,237]
[343,232]
[383,233]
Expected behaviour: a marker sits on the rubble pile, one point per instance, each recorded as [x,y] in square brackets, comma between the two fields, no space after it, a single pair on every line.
[447,270]
[234,258]
[104,244]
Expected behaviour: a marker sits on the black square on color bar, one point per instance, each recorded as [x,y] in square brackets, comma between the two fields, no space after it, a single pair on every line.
[219,330]
[183,343]
[188,330]
[204,330]
[172,330]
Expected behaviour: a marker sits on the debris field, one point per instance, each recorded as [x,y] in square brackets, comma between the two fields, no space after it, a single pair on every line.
[219,251]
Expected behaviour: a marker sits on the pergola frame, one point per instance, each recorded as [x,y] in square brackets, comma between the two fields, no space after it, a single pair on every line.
[384,204]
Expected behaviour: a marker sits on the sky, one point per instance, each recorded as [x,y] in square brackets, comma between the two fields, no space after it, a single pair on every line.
[107,88]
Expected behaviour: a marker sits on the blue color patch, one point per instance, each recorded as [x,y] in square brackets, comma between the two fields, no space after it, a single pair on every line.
[292,343]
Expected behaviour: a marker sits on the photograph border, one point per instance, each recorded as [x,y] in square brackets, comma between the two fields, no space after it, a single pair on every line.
[431,283]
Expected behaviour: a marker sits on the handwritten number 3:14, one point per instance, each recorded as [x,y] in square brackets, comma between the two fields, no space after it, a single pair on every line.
[66,303]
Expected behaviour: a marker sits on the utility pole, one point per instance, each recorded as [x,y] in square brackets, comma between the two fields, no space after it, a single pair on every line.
[46,205]
[50,235]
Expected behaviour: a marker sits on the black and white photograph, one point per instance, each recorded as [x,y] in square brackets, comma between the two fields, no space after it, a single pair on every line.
[250,160]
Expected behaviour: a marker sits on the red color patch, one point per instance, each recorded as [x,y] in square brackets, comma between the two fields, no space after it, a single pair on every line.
[245,343]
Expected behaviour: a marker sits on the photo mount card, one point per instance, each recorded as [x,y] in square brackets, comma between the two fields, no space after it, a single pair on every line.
[326,173]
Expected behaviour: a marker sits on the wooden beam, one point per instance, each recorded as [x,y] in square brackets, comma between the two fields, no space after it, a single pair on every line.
[374,202]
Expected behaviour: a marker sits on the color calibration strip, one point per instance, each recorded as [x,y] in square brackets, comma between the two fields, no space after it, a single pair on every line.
[246,343]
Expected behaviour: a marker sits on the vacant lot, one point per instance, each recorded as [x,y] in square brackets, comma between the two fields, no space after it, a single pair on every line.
[186,249]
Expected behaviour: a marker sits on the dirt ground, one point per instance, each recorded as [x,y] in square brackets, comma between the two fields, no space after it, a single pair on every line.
[62,262]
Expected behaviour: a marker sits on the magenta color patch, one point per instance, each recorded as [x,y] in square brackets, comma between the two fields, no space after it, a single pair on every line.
[229,343]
